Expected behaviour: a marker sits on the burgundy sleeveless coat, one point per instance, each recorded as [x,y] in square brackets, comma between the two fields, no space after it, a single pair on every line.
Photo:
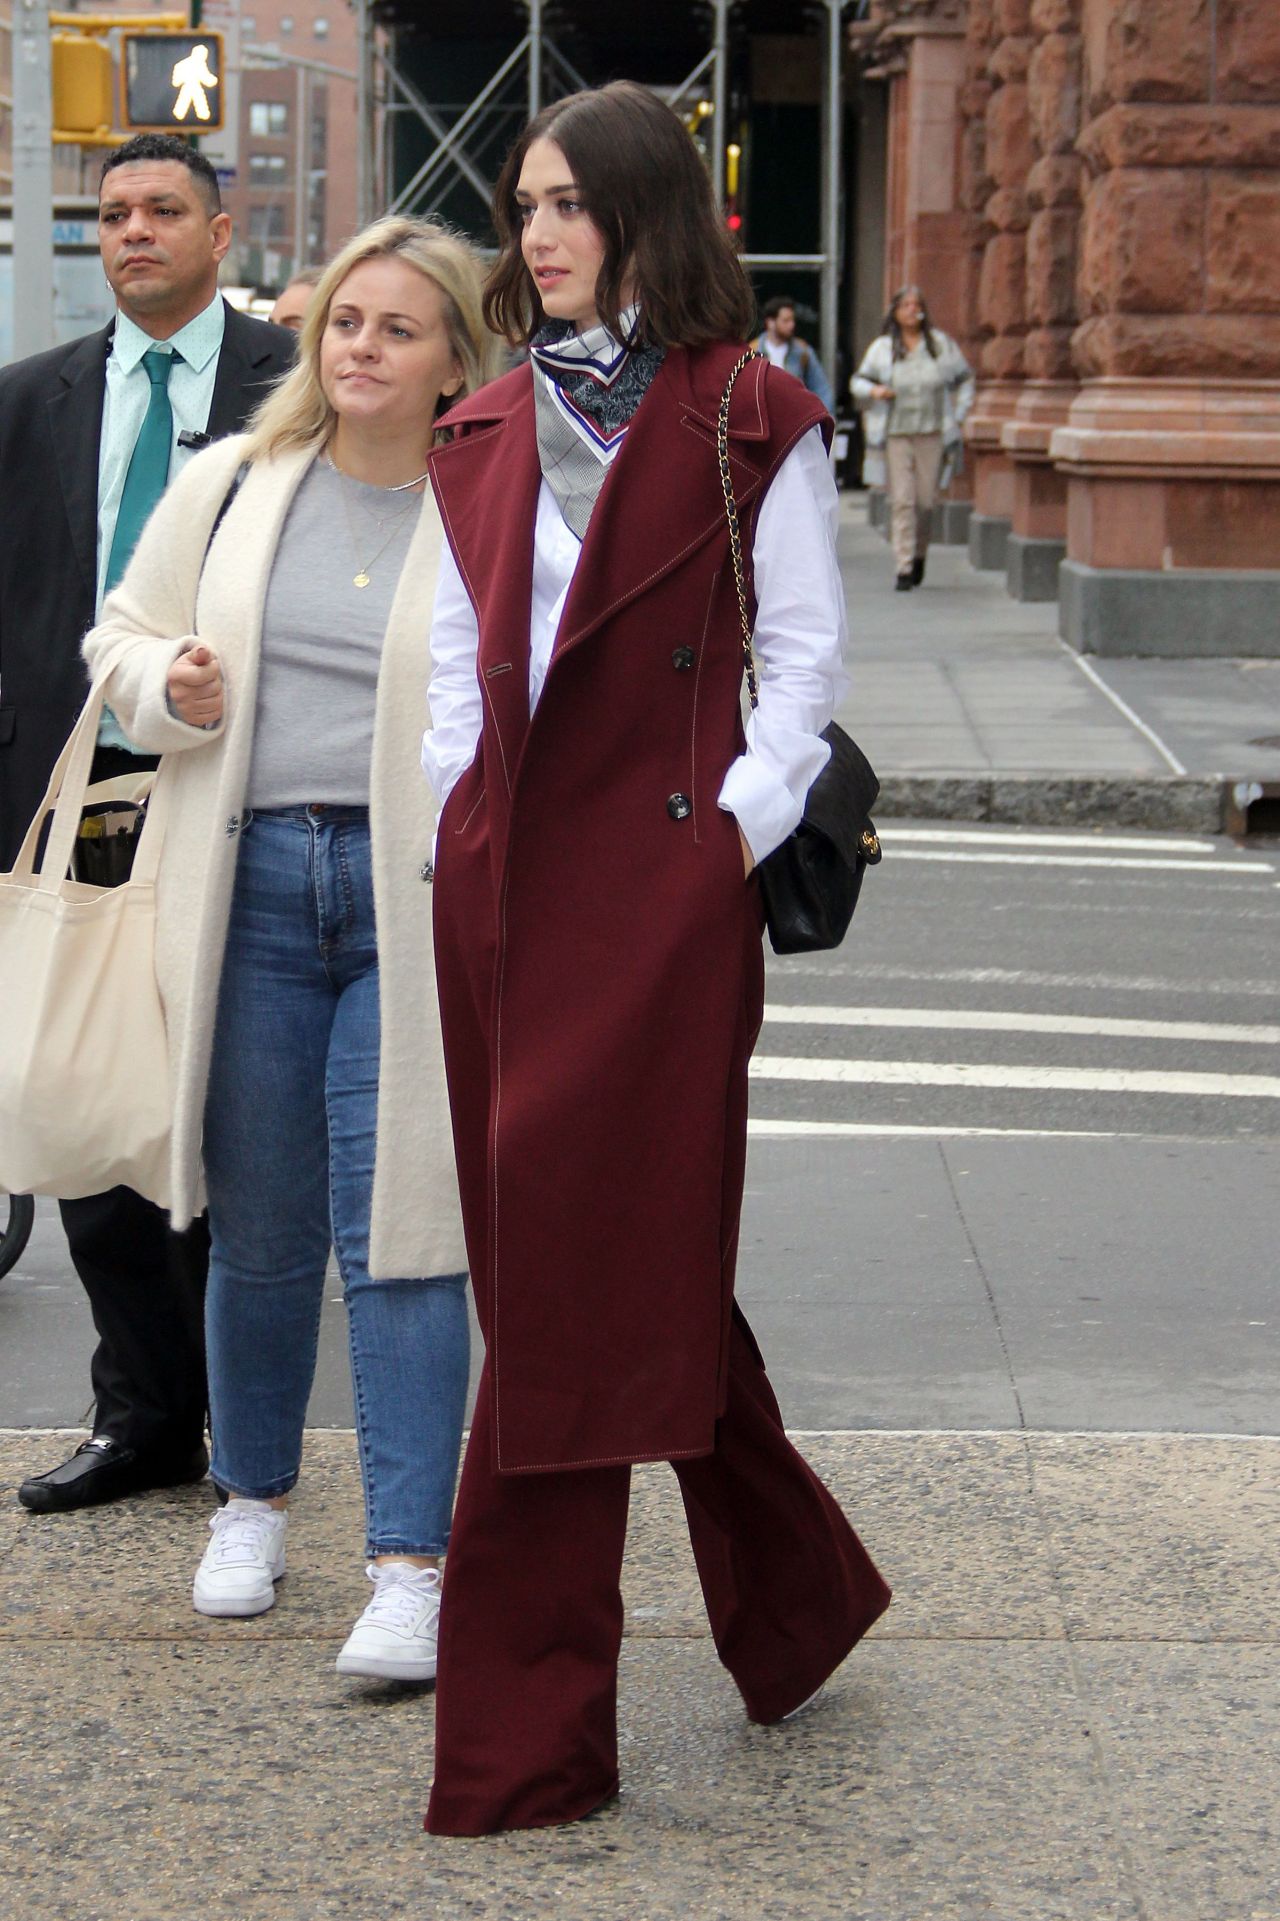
[598,952]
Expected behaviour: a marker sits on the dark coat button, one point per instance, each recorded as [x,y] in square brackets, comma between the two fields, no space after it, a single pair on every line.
[679,807]
[682,659]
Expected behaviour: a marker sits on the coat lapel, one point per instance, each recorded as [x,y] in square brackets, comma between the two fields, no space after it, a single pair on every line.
[75,422]
[244,375]
[641,529]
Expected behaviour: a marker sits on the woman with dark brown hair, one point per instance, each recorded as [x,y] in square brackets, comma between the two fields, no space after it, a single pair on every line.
[599,954]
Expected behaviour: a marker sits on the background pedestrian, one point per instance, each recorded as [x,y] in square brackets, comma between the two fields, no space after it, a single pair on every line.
[290,309]
[916,387]
[781,344]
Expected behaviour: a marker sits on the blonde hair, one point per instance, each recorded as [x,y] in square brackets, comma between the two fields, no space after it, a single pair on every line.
[297,413]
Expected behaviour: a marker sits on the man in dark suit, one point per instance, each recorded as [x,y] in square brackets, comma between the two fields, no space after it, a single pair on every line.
[89,436]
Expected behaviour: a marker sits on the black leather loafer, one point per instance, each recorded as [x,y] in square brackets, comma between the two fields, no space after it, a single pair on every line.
[917,571]
[103,1470]
[904,583]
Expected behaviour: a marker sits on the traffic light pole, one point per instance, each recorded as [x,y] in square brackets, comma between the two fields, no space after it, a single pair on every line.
[32,179]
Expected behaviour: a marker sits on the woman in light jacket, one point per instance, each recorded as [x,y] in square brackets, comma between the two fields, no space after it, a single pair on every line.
[278,604]
[599,955]
[916,387]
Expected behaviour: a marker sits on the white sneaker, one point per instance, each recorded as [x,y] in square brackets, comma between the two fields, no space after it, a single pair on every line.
[243,1561]
[395,1637]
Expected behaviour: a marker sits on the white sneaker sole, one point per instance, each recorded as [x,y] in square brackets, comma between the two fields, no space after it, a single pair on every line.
[386,1667]
[223,1607]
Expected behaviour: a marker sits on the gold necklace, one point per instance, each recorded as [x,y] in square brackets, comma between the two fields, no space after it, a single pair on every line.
[364,569]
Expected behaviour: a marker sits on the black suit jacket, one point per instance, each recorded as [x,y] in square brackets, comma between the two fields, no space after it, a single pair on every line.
[50,424]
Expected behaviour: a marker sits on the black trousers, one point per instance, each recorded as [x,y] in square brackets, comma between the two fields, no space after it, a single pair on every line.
[146,1291]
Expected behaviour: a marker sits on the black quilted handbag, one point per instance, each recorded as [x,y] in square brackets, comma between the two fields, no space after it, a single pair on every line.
[810,884]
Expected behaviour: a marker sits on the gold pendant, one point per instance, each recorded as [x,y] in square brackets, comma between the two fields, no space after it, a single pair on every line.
[361,579]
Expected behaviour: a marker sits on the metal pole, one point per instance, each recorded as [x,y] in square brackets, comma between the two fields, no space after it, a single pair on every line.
[32,179]
[366,151]
[535,58]
[720,96]
[301,162]
[832,128]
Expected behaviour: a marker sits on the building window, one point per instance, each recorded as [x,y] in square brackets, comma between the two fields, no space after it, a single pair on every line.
[268,119]
[248,27]
[266,224]
[286,23]
[320,28]
[267,169]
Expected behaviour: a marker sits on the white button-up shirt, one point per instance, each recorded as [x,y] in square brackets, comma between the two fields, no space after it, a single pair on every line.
[798,644]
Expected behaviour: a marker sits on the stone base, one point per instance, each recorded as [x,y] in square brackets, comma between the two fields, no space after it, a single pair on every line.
[951,522]
[988,541]
[1184,614]
[1032,567]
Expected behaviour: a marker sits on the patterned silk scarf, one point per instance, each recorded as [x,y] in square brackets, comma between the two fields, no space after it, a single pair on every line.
[586,388]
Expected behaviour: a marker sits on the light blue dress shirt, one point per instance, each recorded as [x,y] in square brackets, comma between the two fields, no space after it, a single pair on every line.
[196,348]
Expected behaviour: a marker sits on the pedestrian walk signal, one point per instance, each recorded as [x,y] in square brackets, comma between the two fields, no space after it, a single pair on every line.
[172,82]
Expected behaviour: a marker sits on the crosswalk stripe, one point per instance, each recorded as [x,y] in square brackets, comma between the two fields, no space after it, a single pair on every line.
[894,1130]
[971,837]
[976,1020]
[1096,1080]
[1085,860]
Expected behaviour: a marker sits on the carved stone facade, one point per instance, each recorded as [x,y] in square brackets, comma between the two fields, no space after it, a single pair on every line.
[1118,177]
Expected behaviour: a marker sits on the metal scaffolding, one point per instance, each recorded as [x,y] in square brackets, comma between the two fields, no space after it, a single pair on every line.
[548,74]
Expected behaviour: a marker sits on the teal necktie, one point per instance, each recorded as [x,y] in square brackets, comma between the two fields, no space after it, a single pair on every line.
[148,467]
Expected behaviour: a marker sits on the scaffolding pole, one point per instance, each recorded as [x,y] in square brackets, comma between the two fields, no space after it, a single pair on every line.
[366,133]
[832,179]
[32,179]
[719,95]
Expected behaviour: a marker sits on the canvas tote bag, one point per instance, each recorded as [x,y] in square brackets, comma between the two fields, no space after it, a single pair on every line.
[84,1062]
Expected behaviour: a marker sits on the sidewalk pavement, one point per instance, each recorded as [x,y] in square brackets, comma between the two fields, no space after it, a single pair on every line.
[970,708]
[1068,1714]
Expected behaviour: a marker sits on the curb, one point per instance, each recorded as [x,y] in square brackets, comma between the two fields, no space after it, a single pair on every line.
[1191,804]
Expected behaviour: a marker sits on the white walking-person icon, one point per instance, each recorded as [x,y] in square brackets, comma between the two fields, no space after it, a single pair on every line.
[192,78]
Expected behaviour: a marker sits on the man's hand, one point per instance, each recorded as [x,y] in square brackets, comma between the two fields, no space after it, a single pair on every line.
[195,687]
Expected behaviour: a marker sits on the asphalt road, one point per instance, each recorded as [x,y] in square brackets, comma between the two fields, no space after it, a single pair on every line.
[1015,1153]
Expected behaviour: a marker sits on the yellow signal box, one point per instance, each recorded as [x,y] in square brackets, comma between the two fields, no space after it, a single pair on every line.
[172,82]
[82,86]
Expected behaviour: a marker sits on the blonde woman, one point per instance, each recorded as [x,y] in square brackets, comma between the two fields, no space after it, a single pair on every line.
[277,609]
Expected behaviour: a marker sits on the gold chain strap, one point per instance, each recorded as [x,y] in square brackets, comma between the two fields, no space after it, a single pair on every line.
[735,531]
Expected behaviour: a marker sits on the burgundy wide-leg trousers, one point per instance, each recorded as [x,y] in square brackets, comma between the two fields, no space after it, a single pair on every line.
[526,1689]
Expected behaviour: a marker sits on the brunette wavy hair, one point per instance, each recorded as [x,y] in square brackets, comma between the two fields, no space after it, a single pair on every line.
[648,193]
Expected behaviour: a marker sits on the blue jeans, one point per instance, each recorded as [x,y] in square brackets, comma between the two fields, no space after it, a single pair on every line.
[289,1137]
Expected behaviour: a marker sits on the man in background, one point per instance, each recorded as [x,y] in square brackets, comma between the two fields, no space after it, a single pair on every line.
[781,344]
[292,302]
[90,435]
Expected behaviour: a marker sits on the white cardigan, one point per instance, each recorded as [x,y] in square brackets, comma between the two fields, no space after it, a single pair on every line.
[171,595]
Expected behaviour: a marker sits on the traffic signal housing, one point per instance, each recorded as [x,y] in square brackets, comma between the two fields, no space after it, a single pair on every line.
[172,82]
[82,86]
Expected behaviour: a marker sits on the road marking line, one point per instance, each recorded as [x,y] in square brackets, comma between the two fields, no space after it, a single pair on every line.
[947,836]
[1091,860]
[892,1130]
[979,1021]
[1094,1080]
[1122,706]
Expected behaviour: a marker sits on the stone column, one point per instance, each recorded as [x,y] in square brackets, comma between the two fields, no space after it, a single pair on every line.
[1171,451]
[1002,309]
[1038,535]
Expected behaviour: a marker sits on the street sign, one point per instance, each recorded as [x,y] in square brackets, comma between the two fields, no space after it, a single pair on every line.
[172,82]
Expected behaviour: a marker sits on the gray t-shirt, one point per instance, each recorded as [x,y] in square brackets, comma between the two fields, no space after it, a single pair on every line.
[322,639]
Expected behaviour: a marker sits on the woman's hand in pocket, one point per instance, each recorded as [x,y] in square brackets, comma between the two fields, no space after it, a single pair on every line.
[195,687]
